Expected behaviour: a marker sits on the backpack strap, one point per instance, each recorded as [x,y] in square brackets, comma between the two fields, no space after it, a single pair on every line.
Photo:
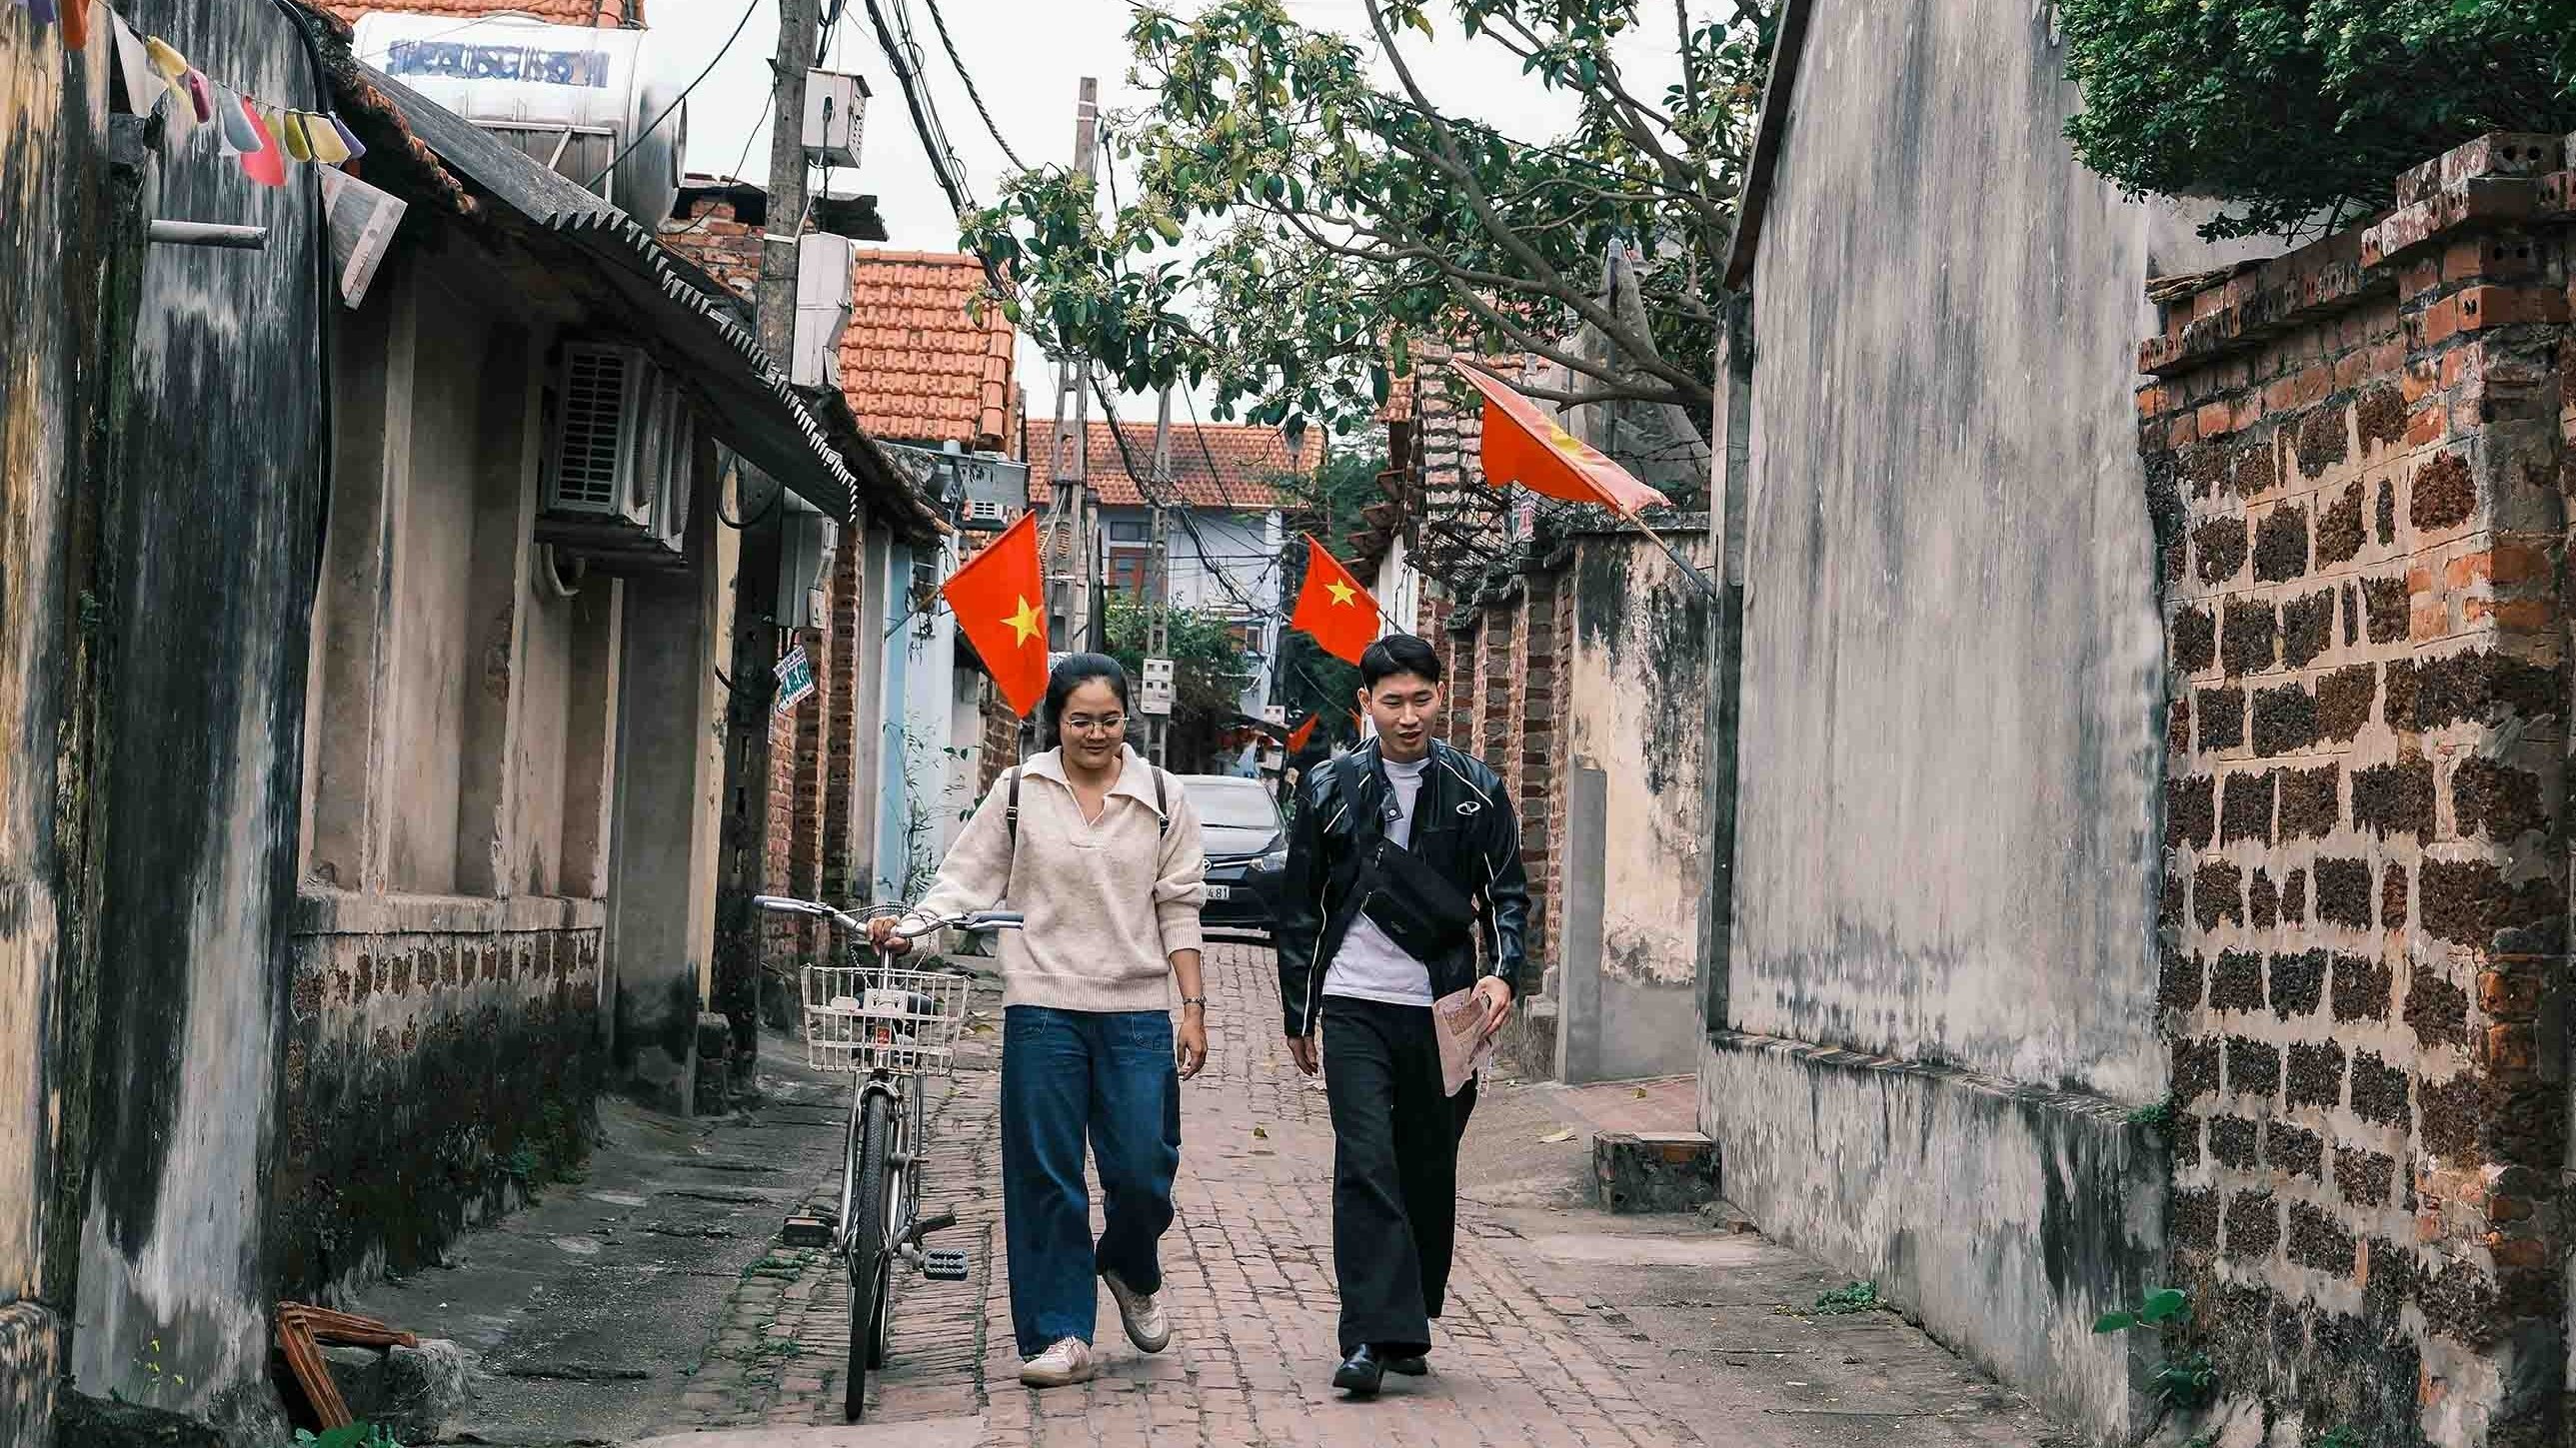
[1011,808]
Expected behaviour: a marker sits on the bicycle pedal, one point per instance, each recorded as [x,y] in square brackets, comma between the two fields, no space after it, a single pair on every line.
[806,1231]
[944,1264]
[935,1222]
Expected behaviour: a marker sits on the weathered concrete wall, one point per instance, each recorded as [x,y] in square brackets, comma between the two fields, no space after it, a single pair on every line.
[209,564]
[1946,843]
[443,1063]
[56,223]
[1636,671]
[2004,1215]
[447,950]
[2360,452]
[676,650]
[434,657]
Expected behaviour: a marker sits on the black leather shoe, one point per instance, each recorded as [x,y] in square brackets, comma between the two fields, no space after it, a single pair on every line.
[1411,1366]
[1360,1373]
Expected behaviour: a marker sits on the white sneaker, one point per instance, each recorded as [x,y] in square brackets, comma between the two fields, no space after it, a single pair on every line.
[1068,1362]
[1142,1314]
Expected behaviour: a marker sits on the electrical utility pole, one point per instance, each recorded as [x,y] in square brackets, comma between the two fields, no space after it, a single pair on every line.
[1158,587]
[744,834]
[1072,469]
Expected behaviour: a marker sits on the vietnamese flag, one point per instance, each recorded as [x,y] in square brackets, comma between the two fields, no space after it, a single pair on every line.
[1000,601]
[1341,615]
[1302,735]
[1526,446]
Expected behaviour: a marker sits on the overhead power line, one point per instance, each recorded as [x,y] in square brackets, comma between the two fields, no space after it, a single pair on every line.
[940,21]
[676,101]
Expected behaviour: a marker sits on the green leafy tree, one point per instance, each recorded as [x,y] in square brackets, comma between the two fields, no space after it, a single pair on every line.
[1333,223]
[2299,113]
[1328,503]
[1209,672]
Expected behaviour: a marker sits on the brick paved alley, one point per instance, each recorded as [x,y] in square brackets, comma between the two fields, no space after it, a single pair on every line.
[1566,1326]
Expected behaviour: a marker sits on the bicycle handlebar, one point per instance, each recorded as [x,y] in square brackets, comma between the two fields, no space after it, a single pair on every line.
[975,922]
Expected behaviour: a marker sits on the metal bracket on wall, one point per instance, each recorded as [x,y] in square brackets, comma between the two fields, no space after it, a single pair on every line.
[209,233]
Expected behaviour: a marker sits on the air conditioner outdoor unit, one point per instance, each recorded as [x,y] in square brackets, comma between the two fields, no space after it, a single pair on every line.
[673,468]
[990,512]
[594,461]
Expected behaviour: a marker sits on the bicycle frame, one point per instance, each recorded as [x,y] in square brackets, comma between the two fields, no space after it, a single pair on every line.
[908,1108]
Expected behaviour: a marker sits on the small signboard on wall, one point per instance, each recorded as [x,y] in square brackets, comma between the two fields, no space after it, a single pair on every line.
[795,679]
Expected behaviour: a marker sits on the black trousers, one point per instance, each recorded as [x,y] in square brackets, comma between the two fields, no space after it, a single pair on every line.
[1395,1171]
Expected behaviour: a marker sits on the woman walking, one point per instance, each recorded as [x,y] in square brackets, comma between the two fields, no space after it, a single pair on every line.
[1100,853]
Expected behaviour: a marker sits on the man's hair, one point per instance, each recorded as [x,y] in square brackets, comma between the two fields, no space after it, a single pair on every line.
[1398,654]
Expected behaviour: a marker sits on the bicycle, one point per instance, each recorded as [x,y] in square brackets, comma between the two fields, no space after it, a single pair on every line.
[888,1027]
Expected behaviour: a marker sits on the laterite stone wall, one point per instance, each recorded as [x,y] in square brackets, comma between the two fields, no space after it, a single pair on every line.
[2358,458]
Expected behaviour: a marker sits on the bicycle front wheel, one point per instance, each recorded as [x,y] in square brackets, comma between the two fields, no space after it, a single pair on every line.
[869,1264]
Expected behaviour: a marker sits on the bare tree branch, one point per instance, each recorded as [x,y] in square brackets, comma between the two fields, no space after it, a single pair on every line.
[1481,206]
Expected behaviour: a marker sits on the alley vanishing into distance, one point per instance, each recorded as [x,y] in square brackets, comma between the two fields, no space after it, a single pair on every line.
[653,1299]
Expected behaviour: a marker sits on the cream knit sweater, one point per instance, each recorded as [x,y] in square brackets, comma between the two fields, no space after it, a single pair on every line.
[1106,904]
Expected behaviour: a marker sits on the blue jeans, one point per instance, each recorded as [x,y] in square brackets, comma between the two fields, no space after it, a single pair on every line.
[1064,1074]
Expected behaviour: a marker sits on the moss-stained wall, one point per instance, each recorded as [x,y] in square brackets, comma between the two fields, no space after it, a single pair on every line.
[207,552]
[1636,684]
[57,227]
[442,1064]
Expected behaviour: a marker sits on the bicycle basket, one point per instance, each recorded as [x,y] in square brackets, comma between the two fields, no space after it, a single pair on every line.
[863,1018]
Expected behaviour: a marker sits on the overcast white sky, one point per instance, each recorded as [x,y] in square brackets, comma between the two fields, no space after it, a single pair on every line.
[1026,56]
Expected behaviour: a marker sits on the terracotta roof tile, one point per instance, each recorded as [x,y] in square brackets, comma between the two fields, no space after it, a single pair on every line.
[1247,459]
[916,366]
[553,12]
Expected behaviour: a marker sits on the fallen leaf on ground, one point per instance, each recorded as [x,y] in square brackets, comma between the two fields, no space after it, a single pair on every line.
[1641,1093]
[1555,1136]
[1260,1134]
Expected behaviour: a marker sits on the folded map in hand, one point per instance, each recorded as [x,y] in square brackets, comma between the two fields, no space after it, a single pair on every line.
[1458,1019]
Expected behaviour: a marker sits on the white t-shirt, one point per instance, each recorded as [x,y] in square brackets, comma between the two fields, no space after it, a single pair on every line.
[1369,966]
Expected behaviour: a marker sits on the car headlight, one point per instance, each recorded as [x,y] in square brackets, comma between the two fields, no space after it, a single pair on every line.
[1274,862]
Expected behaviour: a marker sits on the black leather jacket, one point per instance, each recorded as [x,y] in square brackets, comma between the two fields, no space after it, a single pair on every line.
[1463,827]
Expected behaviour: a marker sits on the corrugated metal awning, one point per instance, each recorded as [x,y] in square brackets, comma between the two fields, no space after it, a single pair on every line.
[753,409]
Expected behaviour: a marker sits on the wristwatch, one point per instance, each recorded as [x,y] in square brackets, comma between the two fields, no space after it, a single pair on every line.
[1189,1001]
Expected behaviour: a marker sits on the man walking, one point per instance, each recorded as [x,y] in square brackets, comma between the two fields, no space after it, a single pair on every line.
[1404,852]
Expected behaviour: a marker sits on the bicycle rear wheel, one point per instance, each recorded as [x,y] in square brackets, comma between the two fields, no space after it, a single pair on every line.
[869,1263]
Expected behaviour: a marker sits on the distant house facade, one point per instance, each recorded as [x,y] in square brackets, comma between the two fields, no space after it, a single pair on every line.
[1227,530]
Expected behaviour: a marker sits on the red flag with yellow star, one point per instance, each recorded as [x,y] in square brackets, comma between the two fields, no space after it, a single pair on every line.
[1332,607]
[1526,446]
[1000,601]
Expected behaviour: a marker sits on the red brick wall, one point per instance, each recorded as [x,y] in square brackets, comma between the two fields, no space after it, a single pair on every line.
[2358,456]
[727,248]
[1528,759]
[1001,742]
[840,692]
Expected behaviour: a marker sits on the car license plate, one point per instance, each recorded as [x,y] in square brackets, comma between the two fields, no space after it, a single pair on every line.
[1220,892]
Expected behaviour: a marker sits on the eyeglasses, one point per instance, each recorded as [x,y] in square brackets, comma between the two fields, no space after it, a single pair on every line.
[1105,724]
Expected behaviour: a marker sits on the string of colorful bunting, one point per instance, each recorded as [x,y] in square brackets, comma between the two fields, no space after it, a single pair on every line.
[262,137]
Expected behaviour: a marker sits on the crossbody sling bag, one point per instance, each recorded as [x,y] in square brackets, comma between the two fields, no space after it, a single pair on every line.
[1425,915]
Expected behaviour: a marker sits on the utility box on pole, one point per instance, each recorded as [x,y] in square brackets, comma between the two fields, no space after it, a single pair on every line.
[823,266]
[1154,695]
[834,104]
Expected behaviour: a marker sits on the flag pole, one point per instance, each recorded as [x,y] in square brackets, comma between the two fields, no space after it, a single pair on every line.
[1707,585]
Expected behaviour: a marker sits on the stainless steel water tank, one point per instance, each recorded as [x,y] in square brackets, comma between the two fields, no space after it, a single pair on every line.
[568,95]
